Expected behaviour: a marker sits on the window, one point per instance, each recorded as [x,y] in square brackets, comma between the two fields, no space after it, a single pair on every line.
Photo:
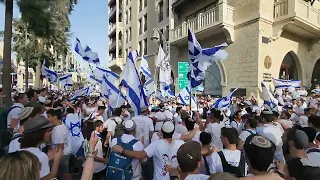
[127,2]
[140,5]
[166,32]
[160,15]
[145,45]
[127,18]
[140,48]
[140,26]
[145,21]
[145,3]
[168,9]
[129,34]
[129,14]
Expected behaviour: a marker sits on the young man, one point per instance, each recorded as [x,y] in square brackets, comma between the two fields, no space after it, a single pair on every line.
[314,122]
[14,111]
[100,163]
[163,152]
[230,159]
[111,125]
[237,123]
[250,128]
[61,140]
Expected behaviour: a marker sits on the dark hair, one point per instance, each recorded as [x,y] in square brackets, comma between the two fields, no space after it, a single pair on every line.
[55,112]
[253,123]
[97,123]
[36,111]
[260,158]
[166,135]
[259,119]
[189,124]
[87,129]
[70,110]
[231,134]
[123,107]
[315,121]
[249,110]
[178,109]
[205,138]
[216,114]
[291,136]
[18,97]
[32,139]
[101,108]
[299,171]
[117,112]
[268,117]
[237,113]
[310,132]
[30,93]
[189,155]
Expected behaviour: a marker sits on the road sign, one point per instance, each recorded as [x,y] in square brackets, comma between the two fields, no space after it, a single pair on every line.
[182,75]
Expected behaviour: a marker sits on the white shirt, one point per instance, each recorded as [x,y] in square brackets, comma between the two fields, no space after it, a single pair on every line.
[168,114]
[161,117]
[143,129]
[127,117]
[111,125]
[314,157]
[245,134]
[274,134]
[14,114]
[181,129]
[215,130]
[197,177]
[239,126]
[76,135]
[99,166]
[43,158]
[215,164]
[304,121]
[138,146]
[163,154]
[14,145]
[60,135]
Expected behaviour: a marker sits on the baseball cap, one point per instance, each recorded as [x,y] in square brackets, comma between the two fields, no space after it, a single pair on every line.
[25,112]
[167,127]
[36,124]
[129,125]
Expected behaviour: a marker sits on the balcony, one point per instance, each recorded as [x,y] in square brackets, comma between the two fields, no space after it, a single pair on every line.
[112,15]
[215,21]
[112,2]
[112,30]
[113,45]
[297,17]
[116,64]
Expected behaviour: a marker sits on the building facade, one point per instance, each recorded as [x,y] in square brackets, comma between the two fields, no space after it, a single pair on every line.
[267,39]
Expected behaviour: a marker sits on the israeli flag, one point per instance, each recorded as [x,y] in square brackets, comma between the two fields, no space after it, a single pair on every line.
[77,94]
[144,68]
[279,83]
[66,80]
[88,90]
[184,97]
[269,101]
[86,53]
[200,59]
[148,88]
[166,90]
[223,103]
[131,81]
[51,75]
[112,93]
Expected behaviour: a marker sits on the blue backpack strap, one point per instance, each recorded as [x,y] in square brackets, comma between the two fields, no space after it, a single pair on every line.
[13,107]
[132,142]
[248,130]
[312,150]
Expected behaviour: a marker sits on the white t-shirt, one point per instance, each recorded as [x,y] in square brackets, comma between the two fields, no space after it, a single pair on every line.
[99,166]
[197,177]
[163,154]
[127,117]
[60,135]
[181,129]
[168,114]
[215,164]
[76,136]
[43,158]
[246,133]
[143,129]
[138,146]
[304,121]
[14,145]
[161,118]
[14,114]
[215,130]
[111,125]
[274,134]
[314,157]
[239,126]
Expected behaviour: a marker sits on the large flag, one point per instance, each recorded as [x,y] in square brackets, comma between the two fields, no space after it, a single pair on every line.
[224,102]
[269,101]
[66,80]
[98,74]
[166,90]
[184,97]
[51,75]
[148,88]
[131,81]
[163,62]
[111,92]
[279,83]
[86,53]
[200,59]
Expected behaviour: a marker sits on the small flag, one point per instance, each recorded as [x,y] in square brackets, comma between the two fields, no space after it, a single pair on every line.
[66,80]
[279,83]
[223,103]
[269,101]
[86,53]
[184,97]
[51,75]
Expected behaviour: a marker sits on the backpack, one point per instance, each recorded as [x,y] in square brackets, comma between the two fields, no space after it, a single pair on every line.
[119,167]
[236,171]
[312,150]
[249,131]
[119,130]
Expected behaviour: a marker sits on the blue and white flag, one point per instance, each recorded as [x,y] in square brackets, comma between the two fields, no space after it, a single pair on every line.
[279,83]
[148,88]
[269,101]
[86,53]
[200,59]
[112,93]
[224,102]
[166,90]
[184,97]
[163,62]
[51,75]
[131,81]
[144,68]
[66,80]
[86,91]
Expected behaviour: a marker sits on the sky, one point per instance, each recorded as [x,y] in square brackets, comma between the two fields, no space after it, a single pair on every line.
[89,23]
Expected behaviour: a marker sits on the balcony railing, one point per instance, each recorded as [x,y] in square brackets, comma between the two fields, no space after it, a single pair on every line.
[222,14]
[112,2]
[112,13]
[112,29]
[299,9]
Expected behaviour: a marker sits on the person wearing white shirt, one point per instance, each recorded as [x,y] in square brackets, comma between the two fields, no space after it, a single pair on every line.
[61,140]
[250,128]
[313,149]
[12,117]
[213,126]
[131,129]
[229,160]
[111,125]
[145,127]
[163,152]
[189,159]
[237,123]
[125,115]
[159,118]
[167,113]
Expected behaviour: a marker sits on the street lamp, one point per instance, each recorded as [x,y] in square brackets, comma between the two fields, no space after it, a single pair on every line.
[157,34]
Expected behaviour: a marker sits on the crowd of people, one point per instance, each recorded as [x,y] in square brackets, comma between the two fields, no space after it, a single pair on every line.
[50,136]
